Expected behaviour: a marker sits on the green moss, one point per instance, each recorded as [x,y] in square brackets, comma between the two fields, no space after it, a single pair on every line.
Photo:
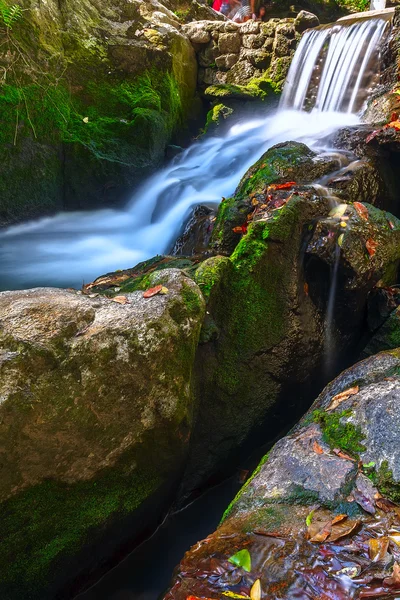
[339,434]
[384,481]
[243,488]
[210,272]
[259,88]
[191,300]
[53,520]
[217,113]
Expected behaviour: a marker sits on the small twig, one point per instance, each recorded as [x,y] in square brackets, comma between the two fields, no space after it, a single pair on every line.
[16,128]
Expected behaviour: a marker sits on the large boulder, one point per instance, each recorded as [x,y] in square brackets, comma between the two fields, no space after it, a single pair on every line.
[270,293]
[93,94]
[318,518]
[95,419]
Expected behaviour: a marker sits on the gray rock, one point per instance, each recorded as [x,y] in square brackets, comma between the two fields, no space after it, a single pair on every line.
[253,41]
[226,61]
[305,20]
[80,426]
[229,43]
[197,33]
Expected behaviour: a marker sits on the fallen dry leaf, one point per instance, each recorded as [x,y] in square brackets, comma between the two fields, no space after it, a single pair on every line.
[255,592]
[395,578]
[342,454]
[152,291]
[306,289]
[371,246]
[317,448]
[336,400]
[338,211]
[338,519]
[361,210]
[254,202]
[282,186]
[120,299]
[340,530]
[322,534]
[240,229]
[377,548]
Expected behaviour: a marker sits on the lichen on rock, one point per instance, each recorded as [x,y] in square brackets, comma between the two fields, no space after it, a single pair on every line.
[86,441]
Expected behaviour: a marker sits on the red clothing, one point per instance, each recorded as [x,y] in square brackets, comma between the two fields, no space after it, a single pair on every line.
[217,5]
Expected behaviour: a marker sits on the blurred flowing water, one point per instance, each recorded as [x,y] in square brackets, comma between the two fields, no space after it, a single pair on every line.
[75,247]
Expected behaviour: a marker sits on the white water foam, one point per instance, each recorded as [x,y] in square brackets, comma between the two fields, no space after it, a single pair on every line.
[71,248]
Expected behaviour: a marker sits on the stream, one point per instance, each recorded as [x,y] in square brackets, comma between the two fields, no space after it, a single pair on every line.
[73,248]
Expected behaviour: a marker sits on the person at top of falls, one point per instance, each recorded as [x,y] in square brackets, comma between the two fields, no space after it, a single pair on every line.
[245,12]
[262,14]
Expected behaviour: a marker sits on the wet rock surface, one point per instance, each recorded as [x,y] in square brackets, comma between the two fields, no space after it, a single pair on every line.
[85,440]
[318,518]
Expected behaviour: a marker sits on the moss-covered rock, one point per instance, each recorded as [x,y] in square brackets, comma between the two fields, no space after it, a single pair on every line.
[93,94]
[332,480]
[268,297]
[85,441]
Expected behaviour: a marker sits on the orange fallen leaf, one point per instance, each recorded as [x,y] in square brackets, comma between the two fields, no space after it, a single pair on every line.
[371,246]
[341,529]
[341,454]
[322,534]
[120,299]
[152,291]
[254,202]
[361,210]
[377,548]
[240,229]
[317,448]
[338,519]
[283,186]
[394,124]
[306,289]
[395,578]
[336,400]
[391,224]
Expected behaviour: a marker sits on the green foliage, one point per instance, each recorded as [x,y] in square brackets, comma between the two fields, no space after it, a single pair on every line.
[110,114]
[242,559]
[9,14]
[355,5]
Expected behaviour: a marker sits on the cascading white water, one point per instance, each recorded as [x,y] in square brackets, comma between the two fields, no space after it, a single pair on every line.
[72,248]
[336,65]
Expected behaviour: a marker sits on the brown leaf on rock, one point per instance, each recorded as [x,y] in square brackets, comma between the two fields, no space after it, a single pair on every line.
[336,400]
[377,548]
[385,504]
[341,454]
[361,210]
[371,246]
[342,529]
[338,519]
[152,291]
[394,580]
[120,300]
[317,448]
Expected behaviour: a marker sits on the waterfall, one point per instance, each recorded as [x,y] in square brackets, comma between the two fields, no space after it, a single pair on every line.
[337,66]
[332,73]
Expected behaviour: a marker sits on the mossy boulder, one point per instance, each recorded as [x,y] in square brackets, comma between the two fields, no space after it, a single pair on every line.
[317,504]
[86,442]
[283,163]
[91,99]
[268,297]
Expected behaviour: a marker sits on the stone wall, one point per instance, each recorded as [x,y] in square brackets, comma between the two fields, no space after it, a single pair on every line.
[232,53]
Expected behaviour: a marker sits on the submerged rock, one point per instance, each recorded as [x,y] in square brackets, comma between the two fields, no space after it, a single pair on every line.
[96,413]
[319,508]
